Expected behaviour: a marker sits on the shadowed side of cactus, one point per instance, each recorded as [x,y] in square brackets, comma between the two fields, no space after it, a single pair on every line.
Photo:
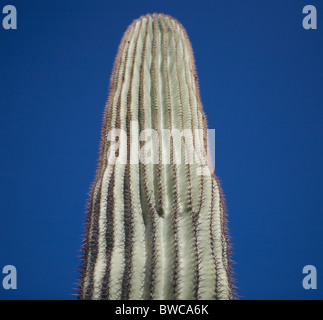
[156,221]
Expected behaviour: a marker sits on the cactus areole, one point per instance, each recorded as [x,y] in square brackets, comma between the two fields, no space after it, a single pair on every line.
[156,221]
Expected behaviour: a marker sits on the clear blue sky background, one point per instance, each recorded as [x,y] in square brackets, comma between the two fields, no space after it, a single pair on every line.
[261,81]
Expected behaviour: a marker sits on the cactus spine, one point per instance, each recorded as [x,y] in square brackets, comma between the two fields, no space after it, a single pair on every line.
[156,229]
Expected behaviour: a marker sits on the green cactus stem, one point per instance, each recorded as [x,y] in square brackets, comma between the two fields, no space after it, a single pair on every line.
[156,220]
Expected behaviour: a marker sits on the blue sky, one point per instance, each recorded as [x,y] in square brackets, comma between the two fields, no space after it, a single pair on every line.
[261,80]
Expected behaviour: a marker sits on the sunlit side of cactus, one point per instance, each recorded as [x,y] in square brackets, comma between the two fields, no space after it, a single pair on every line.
[156,229]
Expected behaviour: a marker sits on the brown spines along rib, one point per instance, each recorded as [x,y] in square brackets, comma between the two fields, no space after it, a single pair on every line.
[110,241]
[91,248]
[171,219]
[192,216]
[147,195]
[197,182]
[128,210]
[155,106]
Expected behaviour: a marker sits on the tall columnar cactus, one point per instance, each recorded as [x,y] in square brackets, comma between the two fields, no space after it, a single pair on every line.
[156,226]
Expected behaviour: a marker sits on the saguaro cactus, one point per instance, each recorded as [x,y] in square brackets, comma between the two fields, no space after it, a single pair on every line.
[156,224]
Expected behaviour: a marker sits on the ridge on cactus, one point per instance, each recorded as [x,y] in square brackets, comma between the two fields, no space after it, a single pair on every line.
[156,222]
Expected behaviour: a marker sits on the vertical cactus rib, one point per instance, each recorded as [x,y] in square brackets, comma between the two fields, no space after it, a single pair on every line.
[179,174]
[184,173]
[147,192]
[197,181]
[156,223]
[170,218]
[136,262]
[129,208]
[155,280]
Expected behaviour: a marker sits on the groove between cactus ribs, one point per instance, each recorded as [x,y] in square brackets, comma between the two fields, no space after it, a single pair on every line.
[156,223]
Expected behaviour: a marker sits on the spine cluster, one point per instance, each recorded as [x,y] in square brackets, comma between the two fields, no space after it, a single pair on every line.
[156,227]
